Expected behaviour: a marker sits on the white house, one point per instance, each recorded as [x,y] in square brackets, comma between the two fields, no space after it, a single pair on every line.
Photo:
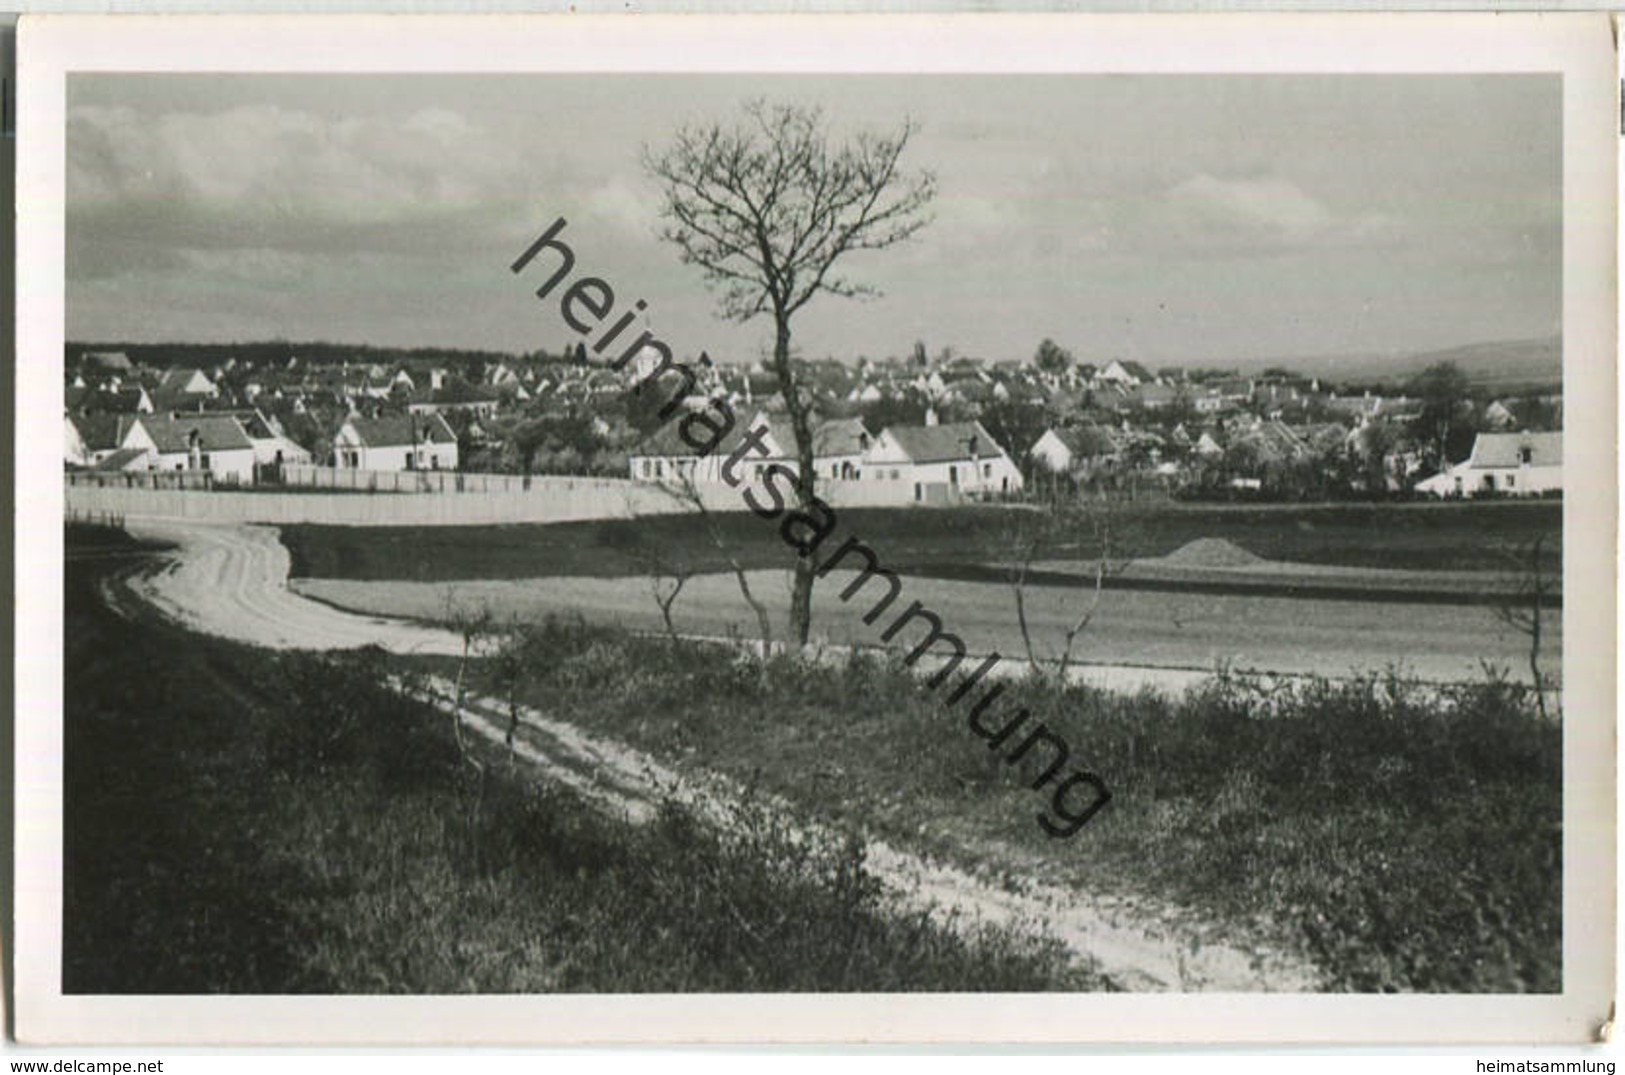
[194,442]
[395,442]
[271,445]
[1512,464]
[922,464]
[184,381]
[92,438]
[456,395]
[1060,451]
[666,457]
[839,447]
[941,463]
[1127,374]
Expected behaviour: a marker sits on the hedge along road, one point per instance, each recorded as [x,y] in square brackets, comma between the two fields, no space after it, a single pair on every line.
[230,580]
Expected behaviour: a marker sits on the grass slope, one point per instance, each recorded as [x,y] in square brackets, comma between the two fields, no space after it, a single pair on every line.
[1404,841]
[237,821]
[928,541]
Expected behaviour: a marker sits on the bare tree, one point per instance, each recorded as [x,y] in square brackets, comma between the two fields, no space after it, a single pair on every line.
[766,208]
[473,626]
[1055,528]
[687,491]
[668,573]
[1525,607]
[510,668]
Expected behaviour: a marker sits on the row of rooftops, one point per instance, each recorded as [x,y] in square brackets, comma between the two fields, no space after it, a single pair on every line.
[838,438]
[172,434]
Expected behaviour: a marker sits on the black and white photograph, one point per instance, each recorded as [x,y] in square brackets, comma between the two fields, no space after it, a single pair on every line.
[886,529]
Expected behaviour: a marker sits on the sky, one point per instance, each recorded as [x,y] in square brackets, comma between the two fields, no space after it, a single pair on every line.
[1171,219]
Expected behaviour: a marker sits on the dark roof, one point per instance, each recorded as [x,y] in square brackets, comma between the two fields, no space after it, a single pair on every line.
[395,430]
[666,441]
[252,421]
[121,459]
[841,436]
[103,401]
[101,432]
[215,433]
[1504,449]
[1088,441]
[1134,369]
[458,391]
[941,443]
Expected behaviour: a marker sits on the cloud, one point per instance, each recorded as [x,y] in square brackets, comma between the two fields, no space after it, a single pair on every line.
[624,206]
[1267,205]
[142,187]
[1258,214]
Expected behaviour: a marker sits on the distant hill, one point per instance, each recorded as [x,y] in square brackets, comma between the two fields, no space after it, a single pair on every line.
[1499,365]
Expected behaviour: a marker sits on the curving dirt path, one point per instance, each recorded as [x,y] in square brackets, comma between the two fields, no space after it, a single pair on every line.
[231,581]
[1136,945]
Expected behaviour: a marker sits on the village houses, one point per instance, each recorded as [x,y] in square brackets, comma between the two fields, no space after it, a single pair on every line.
[1508,464]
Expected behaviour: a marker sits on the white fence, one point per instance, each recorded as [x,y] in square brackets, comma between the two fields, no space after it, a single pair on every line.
[482,499]
[438,481]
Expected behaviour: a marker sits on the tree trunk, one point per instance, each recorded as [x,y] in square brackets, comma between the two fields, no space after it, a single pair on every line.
[1539,588]
[806,478]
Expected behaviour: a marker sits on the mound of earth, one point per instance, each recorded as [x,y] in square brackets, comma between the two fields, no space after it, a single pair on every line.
[1212,552]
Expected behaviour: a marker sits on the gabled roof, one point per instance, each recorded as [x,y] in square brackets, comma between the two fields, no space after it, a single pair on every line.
[1505,450]
[943,443]
[122,459]
[457,391]
[253,422]
[1274,441]
[1088,441]
[666,441]
[175,380]
[116,401]
[102,432]
[215,433]
[401,430]
[841,436]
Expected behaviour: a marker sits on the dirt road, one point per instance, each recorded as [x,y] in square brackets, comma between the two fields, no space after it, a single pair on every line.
[1137,944]
[231,581]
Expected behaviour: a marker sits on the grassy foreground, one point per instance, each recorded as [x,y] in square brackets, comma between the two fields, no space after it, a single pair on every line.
[1454,536]
[247,822]
[1403,840]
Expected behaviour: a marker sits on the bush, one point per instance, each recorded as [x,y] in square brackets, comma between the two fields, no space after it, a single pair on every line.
[1406,837]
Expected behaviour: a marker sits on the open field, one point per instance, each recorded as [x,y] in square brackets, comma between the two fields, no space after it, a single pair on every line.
[1436,643]
[919,541]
